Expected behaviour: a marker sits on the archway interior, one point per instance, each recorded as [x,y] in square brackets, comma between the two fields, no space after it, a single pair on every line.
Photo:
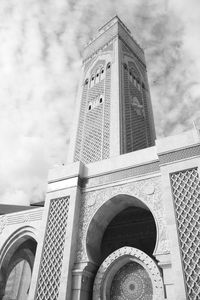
[133,227]
[18,282]
[18,268]
[122,221]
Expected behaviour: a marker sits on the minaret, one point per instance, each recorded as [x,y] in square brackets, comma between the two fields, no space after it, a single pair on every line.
[114,113]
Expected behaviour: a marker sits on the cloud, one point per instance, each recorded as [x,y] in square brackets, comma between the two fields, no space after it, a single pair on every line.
[40,60]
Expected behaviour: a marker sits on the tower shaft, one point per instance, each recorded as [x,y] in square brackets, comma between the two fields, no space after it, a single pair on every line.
[114,113]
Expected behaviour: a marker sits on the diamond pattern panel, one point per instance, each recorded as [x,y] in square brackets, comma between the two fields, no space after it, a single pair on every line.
[52,257]
[186,193]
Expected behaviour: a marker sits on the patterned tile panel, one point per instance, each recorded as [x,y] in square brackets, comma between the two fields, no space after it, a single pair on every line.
[52,256]
[186,193]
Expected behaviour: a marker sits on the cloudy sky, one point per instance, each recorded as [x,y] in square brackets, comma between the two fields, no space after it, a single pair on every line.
[40,58]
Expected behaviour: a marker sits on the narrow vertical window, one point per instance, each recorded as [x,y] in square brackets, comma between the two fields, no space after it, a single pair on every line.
[92,81]
[125,66]
[138,84]
[102,74]
[97,75]
[130,76]
[134,81]
[108,65]
[100,98]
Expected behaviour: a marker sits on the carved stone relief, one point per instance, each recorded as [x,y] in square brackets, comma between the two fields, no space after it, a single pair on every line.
[148,285]
[19,218]
[148,191]
[106,48]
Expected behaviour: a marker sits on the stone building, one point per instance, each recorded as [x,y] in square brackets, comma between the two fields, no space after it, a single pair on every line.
[121,219]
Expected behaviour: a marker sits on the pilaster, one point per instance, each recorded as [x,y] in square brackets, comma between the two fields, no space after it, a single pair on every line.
[55,255]
[176,155]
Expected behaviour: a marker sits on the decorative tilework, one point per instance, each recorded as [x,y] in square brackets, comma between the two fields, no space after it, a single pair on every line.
[132,282]
[186,193]
[52,256]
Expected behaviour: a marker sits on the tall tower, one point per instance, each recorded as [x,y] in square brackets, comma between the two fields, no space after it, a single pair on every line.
[126,227]
[114,112]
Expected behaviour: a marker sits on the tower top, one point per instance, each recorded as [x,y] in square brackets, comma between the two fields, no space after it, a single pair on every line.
[110,30]
[111,22]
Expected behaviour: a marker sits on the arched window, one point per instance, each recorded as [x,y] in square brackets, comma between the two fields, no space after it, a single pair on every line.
[86,81]
[102,74]
[108,66]
[138,84]
[92,81]
[89,106]
[97,76]
[130,76]
[100,98]
[17,268]
[125,66]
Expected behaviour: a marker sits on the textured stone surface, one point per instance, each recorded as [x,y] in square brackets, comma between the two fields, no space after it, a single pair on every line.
[92,202]
[52,256]
[186,193]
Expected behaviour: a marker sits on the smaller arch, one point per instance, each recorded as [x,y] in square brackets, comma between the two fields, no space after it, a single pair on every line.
[18,237]
[102,73]
[115,261]
[18,281]
[92,80]
[86,81]
[97,76]
[125,66]
[101,99]
[108,66]
[16,261]
[89,106]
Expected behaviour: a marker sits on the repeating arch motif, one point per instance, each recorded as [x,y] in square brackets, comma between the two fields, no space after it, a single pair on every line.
[16,262]
[17,238]
[115,261]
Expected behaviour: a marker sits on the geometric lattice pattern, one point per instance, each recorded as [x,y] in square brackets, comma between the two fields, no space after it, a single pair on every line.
[93,135]
[136,133]
[52,256]
[106,124]
[186,193]
[131,282]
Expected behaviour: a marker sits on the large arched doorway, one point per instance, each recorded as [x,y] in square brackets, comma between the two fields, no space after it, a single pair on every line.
[123,222]
[16,269]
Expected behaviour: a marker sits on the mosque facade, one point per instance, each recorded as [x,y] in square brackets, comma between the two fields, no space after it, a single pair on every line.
[121,219]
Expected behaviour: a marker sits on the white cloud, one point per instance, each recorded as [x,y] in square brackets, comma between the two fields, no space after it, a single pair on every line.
[40,59]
